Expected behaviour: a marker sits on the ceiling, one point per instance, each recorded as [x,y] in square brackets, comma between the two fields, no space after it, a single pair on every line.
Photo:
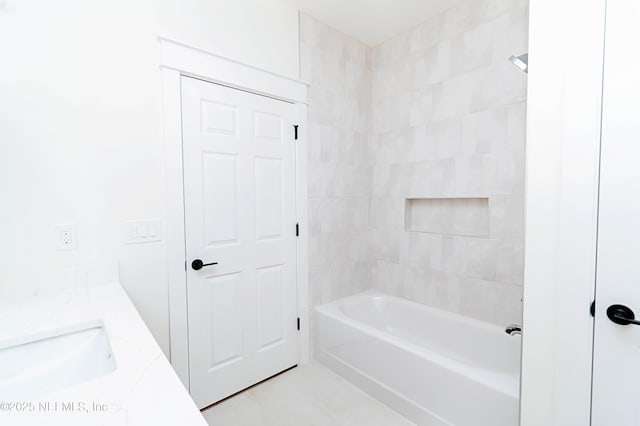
[373,21]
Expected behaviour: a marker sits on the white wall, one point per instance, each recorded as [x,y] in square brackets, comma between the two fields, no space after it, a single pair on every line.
[81,128]
[257,32]
[563,136]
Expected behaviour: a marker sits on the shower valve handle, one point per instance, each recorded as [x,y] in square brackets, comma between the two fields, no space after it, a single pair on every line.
[199,264]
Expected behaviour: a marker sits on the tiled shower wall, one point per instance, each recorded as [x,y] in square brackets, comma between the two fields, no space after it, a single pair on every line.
[338,69]
[432,120]
[448,122]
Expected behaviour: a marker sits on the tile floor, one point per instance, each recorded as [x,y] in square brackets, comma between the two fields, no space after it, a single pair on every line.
[311,395]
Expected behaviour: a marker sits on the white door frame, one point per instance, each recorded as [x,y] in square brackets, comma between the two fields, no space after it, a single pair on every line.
[563,151]
[178,60]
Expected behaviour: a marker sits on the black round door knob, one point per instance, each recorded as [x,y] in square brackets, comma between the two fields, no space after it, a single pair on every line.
[621,315]
[199,264]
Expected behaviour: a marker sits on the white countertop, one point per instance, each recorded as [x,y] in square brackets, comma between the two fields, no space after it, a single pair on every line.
[142,390]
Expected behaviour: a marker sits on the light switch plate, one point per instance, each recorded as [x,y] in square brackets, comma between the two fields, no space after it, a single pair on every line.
[142,231]
[66,237]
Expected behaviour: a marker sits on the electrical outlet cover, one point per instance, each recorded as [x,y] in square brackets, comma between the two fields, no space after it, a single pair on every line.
[66,237]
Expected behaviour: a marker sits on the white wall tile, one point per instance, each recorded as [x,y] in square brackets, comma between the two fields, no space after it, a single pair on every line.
[436,111]
[339,116]
[448,119]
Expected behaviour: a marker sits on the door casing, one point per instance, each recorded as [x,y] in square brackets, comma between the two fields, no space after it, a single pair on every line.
[563,146]
[181,60]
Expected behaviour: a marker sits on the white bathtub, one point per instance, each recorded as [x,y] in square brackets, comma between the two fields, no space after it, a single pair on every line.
[434,367]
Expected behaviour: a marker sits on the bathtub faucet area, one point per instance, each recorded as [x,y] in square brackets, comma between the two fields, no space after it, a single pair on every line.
[513,329]
[435,361]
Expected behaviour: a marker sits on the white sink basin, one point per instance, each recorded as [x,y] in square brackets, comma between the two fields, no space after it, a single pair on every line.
[38,365]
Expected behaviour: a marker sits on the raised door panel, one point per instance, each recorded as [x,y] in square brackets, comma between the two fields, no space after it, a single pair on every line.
[268,127]
[220,198]
[218,119]
[269,196]
[270,305]
[225,320]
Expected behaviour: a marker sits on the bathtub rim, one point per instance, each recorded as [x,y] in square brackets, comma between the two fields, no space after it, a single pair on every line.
[510,383]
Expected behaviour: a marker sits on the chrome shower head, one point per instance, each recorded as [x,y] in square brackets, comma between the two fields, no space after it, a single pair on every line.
[522,62]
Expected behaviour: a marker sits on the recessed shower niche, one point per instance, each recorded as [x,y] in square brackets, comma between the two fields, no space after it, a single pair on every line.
[467,216]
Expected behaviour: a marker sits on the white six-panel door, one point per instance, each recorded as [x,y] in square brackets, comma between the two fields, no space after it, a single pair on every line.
[239,186]
[616,358]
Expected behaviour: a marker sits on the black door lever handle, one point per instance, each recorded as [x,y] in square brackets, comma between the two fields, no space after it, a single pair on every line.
[199,264]
[622,315]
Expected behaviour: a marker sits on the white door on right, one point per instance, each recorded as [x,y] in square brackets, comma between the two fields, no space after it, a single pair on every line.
[616,358]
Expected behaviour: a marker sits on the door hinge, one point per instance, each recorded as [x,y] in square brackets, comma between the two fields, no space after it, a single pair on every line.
[297,229]
[298,323]
[592,309]
[295,131]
